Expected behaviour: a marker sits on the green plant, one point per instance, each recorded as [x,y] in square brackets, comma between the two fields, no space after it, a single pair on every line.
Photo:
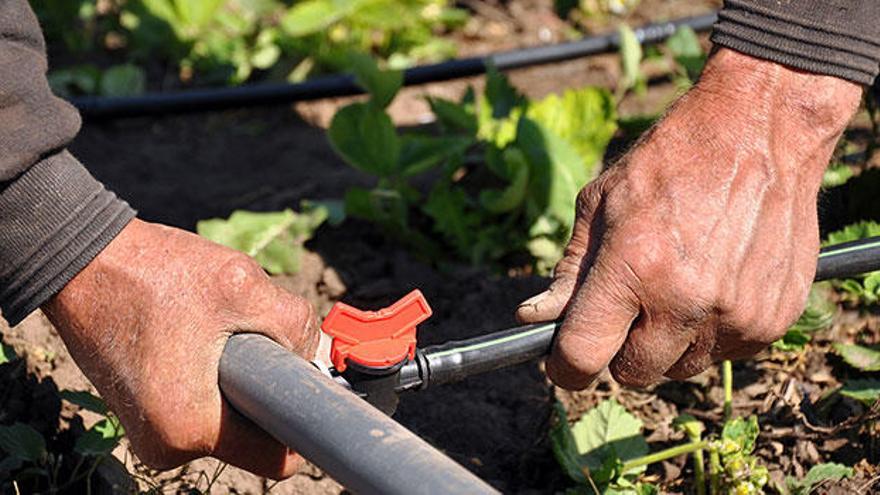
[230,39]
[687,55]
[733,467]
[818,314]
[817,474]
[118,80]
[29,461]
[504,170]
[274,239]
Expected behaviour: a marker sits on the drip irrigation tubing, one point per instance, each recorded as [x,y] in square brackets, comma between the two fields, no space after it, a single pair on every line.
[212,99]
[454,361]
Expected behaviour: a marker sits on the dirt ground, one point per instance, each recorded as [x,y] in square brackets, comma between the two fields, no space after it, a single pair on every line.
[178,170]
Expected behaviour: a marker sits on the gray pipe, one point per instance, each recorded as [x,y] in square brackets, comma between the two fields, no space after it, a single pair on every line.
[358,446]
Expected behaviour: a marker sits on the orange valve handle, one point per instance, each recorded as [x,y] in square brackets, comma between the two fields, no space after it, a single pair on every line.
[375,339]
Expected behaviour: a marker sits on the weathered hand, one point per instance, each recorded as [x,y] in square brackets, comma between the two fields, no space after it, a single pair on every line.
[147,321]
[701,244]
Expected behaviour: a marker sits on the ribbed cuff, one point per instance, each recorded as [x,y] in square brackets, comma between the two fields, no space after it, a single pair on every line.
[54,219]
[808,44]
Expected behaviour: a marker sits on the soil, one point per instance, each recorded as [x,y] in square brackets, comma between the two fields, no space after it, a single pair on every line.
[181,169]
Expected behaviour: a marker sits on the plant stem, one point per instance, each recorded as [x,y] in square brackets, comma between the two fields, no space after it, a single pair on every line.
[727,380]
[669,453]
[714,475]
[699,472]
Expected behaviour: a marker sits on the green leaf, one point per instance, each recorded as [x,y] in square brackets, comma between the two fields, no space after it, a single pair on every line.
[274,239]
[77,80]
[684,46]
[312,16]
[866,391]
[382,85]
[557,173]
[684,42]
[502,97]
[85,400]
[836,175]
[366,138]
[606,433]
[454,116]
[514,194]
[197,13]
[818,314]
[565,447]
[585,118]
[817,474]
[7,354]
[857,356]
[421,153]
[742,432]
[101,438]
[854,232]
[630,57]
[123,80]
[23,442]
[447,206]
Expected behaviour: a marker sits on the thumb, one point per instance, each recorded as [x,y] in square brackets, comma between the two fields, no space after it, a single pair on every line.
[550,304]
[596,326]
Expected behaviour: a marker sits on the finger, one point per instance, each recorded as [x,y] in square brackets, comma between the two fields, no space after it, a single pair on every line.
[284,317]
[653,346]
[243,444]
[595,326]
[696,359]
[550,304]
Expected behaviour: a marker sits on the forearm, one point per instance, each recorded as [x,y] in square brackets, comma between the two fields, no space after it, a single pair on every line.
[833,37]
[54,216]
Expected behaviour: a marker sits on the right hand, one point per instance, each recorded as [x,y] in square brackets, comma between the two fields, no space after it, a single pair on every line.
[701,244]
[147,321]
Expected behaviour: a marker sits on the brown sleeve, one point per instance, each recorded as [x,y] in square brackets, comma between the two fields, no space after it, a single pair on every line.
[54,216]
[834,37]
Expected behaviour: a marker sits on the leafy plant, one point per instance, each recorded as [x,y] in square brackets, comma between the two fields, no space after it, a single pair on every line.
[817,474]
[859,356]
[687,54]
[118,80]
[864,390]
[274,239]
[818,314]
[732,466]
[231,39]
[28,455]
[596,448]
[505,170]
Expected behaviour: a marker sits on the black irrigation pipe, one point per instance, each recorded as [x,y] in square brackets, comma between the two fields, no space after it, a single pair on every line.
[454,361]
[202,100]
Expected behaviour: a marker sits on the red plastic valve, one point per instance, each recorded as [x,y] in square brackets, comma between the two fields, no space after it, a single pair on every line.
[375,339]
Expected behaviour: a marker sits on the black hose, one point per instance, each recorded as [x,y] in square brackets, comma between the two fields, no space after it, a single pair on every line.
[358,446]
[199,100]
[849,259]
[456,360]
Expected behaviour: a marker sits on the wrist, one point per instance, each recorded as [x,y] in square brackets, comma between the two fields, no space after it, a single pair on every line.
[810,101]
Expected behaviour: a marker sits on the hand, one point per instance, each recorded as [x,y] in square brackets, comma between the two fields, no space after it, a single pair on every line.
[701,244]
[147,321]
